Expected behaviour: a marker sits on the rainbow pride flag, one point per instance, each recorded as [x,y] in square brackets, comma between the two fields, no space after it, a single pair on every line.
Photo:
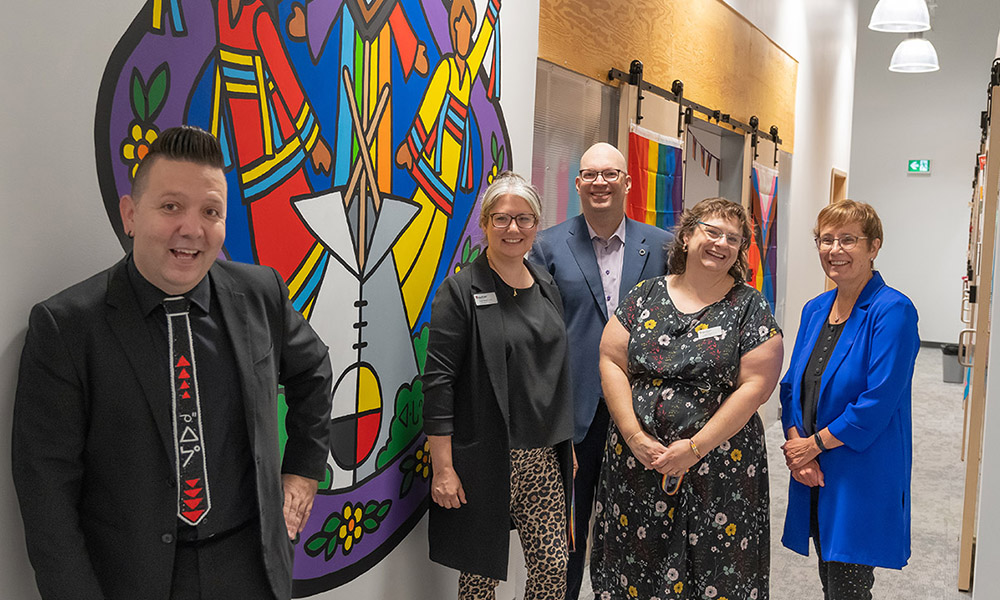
[764,248]
[654,162]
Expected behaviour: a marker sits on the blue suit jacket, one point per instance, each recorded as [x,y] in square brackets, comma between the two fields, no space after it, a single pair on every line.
[864,508]
[567,252]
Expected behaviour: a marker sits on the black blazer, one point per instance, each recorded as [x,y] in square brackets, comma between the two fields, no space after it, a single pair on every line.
[465,396]
[92,452]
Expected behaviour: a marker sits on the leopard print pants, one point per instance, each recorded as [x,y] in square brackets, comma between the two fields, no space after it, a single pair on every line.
[538,510]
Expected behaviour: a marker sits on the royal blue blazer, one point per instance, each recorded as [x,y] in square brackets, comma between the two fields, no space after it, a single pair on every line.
[864,507]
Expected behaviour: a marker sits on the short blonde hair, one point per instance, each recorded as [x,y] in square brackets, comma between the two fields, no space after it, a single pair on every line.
[845,212]
[509,183]
[706,209]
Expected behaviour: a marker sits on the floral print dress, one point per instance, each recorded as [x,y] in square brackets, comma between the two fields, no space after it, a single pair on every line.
[711,539]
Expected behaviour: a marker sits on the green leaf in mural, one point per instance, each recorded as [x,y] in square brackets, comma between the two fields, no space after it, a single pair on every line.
[407,422]
[157,91]
[500,159]
[138,96]
[493,146]
[420,341]
[465,249]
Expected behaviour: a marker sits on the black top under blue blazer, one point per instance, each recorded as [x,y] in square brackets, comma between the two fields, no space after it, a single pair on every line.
[567,252]
[92,442]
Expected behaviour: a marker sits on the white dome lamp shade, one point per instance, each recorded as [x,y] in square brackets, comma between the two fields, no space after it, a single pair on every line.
[914,55]
[900,16]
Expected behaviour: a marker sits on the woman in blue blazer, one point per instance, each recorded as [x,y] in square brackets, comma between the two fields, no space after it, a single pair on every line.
[845,404]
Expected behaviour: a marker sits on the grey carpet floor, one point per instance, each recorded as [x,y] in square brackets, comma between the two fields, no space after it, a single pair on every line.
[938,483]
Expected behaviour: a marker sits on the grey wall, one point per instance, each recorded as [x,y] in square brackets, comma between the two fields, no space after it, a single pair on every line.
[936,116]
[54,230]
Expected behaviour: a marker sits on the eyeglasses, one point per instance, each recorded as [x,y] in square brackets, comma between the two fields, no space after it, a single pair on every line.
[847,241]
[609,175]
[715,234]
[503,220]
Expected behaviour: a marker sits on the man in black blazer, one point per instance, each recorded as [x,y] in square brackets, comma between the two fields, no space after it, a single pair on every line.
[595,259]
[95,418]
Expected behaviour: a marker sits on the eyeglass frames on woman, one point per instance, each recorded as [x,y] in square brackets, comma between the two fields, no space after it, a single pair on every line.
[609,175]
[714,234]
[503,220]
[846,241]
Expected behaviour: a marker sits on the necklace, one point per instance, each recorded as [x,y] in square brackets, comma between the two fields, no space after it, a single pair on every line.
[493,266]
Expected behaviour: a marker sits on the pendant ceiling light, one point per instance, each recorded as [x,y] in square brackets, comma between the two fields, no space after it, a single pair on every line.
[914,55]
[900,16]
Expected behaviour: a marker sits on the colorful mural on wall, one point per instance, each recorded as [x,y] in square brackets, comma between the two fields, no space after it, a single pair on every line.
[358,136]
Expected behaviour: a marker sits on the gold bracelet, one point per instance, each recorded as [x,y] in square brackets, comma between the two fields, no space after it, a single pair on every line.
[629,438]
[694,448]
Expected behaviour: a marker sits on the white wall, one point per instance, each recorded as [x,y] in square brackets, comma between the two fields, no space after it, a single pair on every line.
[936,116]
[820,35]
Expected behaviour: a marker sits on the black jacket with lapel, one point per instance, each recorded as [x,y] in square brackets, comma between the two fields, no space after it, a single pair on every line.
[92,451]
[465,396]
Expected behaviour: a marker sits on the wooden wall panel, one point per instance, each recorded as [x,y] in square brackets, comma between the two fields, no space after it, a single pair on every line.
[725,62]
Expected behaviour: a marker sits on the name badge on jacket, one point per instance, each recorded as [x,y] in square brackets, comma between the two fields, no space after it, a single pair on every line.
[485,299]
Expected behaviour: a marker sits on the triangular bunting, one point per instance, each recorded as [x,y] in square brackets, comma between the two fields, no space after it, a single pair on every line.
[192,482]
[183,362]
[184,374]
[193,503]
[185,385]
[192,493]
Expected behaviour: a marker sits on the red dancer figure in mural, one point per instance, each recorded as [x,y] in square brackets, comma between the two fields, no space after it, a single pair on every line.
[272,128]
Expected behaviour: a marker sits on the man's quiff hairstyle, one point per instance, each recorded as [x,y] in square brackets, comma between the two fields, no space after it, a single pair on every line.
[184,143]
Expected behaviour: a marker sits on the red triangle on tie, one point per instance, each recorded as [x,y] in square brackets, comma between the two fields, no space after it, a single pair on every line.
[184,374]
[192,515]
[183,362]
[186,395]
[193,503]
[185,385]
[192,493]
[192,482]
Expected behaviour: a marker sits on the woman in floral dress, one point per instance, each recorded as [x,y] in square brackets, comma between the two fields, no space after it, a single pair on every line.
[682,508]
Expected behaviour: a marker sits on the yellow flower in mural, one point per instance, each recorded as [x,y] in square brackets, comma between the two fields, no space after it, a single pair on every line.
[351,528]
[618,449]
[633,592]
[623,520]
[701,326]
[423,466]
[136,146]
[731,529]
[651,323]
[678,587]
[736,454]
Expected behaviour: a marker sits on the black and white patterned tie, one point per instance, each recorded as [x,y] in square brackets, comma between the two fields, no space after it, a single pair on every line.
[193,500]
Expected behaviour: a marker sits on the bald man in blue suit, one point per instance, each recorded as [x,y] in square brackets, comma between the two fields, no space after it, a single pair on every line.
[595,259]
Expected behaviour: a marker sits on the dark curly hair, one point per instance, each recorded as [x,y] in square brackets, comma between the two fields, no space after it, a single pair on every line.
[706,209]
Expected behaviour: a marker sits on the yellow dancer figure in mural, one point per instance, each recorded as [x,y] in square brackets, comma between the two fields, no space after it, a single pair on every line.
[437,152]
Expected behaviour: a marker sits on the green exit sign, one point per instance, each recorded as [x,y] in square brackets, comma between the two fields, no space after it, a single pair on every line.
[920,165]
